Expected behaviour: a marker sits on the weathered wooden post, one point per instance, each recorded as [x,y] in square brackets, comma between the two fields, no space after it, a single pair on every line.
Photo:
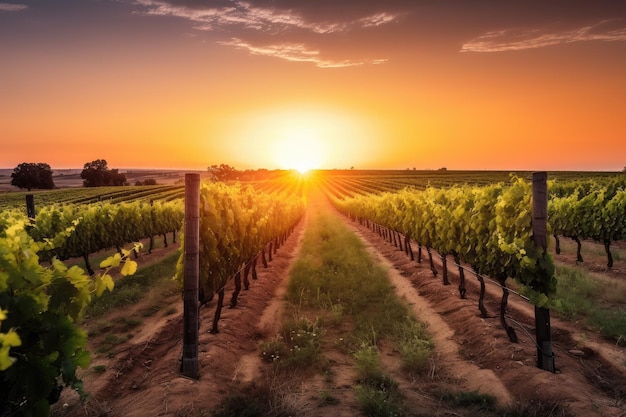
[30,206]
[191,269]
[545,357]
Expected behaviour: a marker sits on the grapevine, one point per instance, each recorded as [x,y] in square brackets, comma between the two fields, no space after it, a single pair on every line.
[42,345]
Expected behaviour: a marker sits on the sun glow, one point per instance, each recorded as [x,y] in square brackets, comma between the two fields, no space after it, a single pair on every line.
[300,147]
[300,138]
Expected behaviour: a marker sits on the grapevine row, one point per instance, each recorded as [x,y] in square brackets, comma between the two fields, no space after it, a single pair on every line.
[41,344]
[104,226]
[237,225]
[590,211]
[91,195]
[489,228]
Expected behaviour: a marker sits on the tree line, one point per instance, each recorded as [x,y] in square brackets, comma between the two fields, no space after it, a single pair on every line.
[96,173]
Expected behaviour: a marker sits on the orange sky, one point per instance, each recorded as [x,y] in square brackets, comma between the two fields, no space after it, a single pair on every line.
[328,84]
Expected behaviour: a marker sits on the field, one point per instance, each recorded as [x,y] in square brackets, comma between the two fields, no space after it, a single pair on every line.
[316,335]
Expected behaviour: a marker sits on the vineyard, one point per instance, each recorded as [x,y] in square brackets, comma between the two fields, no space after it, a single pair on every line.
[475,229]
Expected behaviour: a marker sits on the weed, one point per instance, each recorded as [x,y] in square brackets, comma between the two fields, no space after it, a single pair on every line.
[170,311]
[378,403]
[367,362]
[414,344]
[127,323]
[297,347]
[535,408]
[110,341]
[238,406]
[327,399]
[252,401]
[99,369]
[98,327]
[612,323]
[151,310]
[468,399]
[273,351]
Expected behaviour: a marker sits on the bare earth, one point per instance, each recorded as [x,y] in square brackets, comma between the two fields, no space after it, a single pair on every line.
[142,378]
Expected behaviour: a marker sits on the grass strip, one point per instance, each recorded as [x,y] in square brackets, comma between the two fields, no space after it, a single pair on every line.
[336,288]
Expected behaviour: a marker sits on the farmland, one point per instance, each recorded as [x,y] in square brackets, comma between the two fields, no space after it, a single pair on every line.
[350,361]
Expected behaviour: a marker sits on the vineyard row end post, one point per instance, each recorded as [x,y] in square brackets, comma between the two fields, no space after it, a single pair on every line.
[30,206]
[191,271]
[545,356]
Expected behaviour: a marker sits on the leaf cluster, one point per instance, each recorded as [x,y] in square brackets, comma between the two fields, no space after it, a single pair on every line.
[41,344]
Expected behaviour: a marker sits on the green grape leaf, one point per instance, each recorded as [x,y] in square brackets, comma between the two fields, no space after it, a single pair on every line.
[129,268]
[103,282]
[112,261]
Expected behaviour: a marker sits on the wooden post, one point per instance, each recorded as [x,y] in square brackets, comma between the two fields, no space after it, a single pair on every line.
[189,366]
[30,206]
[545,356]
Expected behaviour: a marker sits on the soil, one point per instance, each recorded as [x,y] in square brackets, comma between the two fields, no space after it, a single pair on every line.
[141,376]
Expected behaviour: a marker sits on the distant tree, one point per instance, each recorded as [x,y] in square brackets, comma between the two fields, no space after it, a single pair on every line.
[147,181]
[624,170]
[97,174]
[115,178]
[223,172]
[32,175]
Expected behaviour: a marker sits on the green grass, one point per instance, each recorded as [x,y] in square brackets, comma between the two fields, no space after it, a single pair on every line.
[591,249]
[99,369]
[109,342]
[468,399]
[577,292]
[335,274]
[253,401]
[338,285]
[580,296]
[299,345]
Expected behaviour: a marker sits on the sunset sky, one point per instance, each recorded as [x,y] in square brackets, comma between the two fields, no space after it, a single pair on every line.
[506,85]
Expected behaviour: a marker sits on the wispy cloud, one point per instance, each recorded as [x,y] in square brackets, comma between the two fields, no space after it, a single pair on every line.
[250,20]
[520,39]
[10,7]
[248,15]
[296,52]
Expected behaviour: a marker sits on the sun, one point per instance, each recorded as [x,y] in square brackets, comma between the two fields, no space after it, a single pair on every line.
[300,148]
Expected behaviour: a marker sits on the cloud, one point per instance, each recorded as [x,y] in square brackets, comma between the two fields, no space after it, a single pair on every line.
[9,7]
[248,15]
[296,52]
[252,19]
[521,39]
